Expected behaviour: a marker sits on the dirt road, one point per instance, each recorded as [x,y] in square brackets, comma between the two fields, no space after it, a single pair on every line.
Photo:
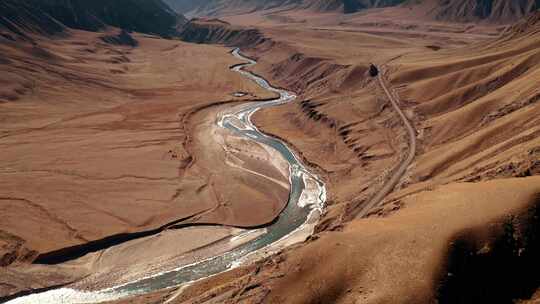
[398,173]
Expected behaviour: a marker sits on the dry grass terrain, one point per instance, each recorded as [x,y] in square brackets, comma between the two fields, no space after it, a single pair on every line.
[141,152]
[101,142]
[461,221]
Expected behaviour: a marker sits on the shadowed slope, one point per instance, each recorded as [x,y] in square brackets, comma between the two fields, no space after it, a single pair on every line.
[47,17]
[22,18]
[458,10]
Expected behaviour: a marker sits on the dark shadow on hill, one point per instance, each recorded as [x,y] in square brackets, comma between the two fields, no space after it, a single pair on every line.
[500,269]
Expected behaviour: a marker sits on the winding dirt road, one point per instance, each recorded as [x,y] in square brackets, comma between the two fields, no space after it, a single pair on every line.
[398,173]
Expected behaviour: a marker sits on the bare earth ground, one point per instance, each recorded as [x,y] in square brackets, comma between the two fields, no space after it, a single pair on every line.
[101,140]
[470,196]
[472,97]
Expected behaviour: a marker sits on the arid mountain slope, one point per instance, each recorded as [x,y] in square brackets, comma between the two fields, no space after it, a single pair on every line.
[114,148]
[140,154]
[526,26]
[42,16]
[219,7]
[104,137]
[474,10]
[186,6]
[21,18]
[468,99]
[463,219]
[477,113]
[455,10]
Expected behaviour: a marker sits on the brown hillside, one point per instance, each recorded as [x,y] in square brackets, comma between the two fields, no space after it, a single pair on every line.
[22,18]
[498,11]
[469,198]
[142,155]
[105,140]
[474,10]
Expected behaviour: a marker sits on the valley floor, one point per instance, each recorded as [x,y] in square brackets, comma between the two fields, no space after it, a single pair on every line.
[105,141]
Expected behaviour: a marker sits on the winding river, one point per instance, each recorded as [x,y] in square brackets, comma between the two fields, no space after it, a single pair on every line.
[295,223]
